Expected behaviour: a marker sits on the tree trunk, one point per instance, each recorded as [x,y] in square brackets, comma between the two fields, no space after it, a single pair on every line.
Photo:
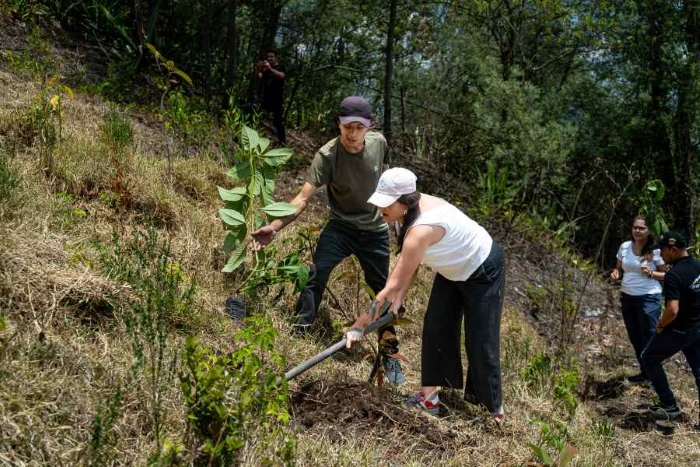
[389,70]
[206,45]
[231,45]
[656,143]
[270,20]
[271,24]
[685,119]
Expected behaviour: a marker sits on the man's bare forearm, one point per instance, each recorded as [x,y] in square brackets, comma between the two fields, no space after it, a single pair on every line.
[301,201]
[281,222]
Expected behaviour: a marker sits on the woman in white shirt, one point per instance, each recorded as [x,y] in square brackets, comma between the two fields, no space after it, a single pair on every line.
[468,286]
[640,292]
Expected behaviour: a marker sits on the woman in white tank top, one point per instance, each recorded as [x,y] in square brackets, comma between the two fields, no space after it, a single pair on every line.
[468,288]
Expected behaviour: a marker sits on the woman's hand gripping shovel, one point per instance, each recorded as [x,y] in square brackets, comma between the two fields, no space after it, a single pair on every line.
[385,319]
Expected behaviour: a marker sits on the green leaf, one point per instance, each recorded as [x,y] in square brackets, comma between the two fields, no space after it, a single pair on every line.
[259,185]
[368,289]
[183,75]
[240,171]
[250,138]
[149,46]
[231,217]
[268,192]
[541,454]
[230,242]
[123,31]
[236,258]
[276,157]
[241,205]
[234,238]
[234,194]
[280,209]
[264,144]
[302,278]
[269,175]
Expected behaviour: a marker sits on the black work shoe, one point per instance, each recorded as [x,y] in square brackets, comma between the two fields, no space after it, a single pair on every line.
[661,412]
[392,370]
[638,379]
[235,308]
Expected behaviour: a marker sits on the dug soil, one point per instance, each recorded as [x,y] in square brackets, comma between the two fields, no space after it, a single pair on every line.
[342,409]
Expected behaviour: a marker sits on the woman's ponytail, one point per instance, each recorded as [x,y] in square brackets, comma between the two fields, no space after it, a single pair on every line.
[412,213]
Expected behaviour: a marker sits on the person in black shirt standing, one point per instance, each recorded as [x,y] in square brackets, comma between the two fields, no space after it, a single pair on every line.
[679,326]
[272,76]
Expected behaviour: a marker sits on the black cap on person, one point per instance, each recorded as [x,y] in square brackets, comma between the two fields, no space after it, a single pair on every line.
[671,238]
[356,109]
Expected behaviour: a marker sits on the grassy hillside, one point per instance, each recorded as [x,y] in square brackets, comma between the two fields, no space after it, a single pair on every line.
[110,260]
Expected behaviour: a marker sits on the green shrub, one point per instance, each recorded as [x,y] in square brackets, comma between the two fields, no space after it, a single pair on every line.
[238,399]
[546,375]
[539,369]
[552,448]
[165,291]
[566,389]
[162,300]
[35,60]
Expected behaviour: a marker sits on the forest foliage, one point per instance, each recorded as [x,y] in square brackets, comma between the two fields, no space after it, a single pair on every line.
[576,105]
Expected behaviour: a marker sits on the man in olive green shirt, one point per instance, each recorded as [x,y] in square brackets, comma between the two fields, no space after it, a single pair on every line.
[350,166]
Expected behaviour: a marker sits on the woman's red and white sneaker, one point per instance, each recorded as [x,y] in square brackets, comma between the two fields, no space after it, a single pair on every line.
[429,405]
[499,417]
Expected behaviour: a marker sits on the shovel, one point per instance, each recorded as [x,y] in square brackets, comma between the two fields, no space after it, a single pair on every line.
[299,369]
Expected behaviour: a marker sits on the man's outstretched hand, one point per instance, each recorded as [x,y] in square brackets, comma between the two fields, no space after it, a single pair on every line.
[263,236]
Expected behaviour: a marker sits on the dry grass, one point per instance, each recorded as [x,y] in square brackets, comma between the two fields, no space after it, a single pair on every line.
[65,349]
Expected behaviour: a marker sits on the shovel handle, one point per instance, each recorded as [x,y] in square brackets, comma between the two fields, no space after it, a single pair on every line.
[299,369]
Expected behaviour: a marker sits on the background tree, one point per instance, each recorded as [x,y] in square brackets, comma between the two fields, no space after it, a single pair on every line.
[564,101]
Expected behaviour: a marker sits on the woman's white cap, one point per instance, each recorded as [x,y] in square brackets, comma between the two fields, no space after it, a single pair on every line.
[393,184]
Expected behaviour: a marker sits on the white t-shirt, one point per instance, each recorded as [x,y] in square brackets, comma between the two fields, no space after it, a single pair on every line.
[633,281]
[464,247]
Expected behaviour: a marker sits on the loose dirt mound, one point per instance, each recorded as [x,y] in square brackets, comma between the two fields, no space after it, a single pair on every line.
[344,408]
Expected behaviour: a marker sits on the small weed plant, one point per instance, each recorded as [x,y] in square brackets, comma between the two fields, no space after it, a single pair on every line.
[118,135]
[238,399]
[552,448]
[538,370]
[67,213]
[46,117]
[170,106]
[162,300]
[566,384]
[604,428]
[543,374]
